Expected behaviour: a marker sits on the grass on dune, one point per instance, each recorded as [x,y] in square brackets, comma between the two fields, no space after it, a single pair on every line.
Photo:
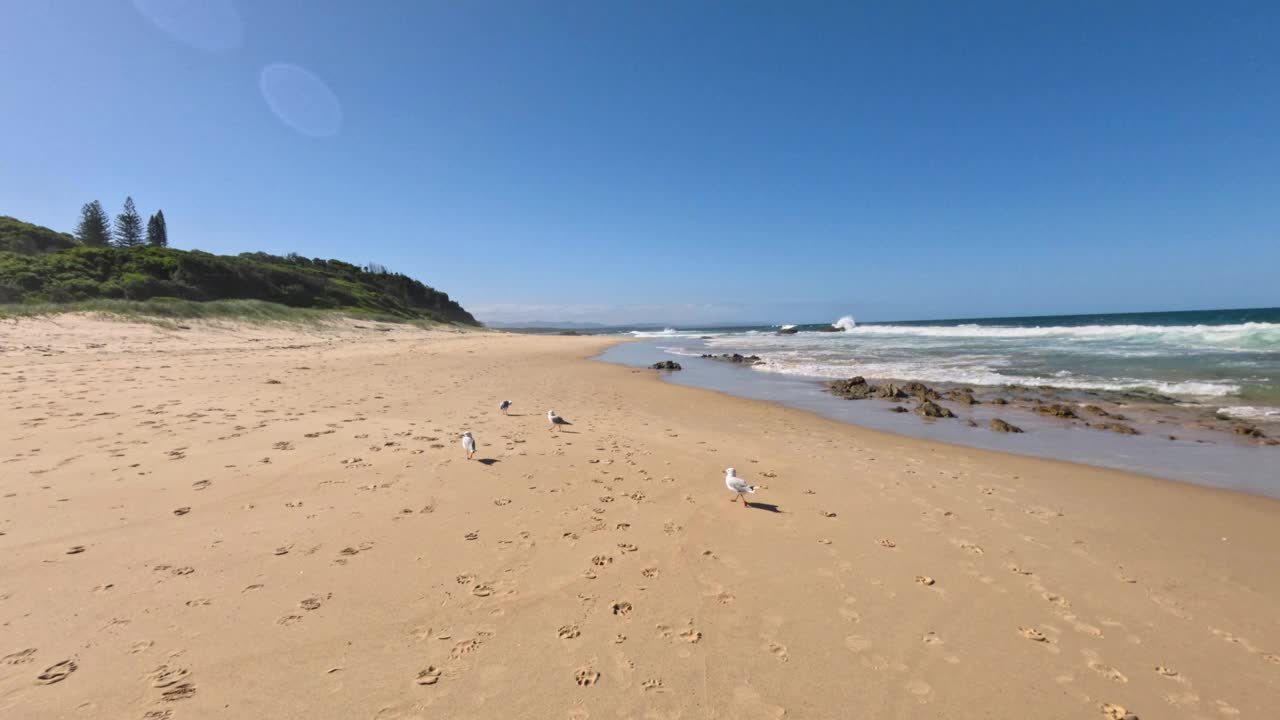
[167,311]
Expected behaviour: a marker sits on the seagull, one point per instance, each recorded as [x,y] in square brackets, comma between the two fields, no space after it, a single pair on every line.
[555,420]
[469,444]
[503,407]
[738,485]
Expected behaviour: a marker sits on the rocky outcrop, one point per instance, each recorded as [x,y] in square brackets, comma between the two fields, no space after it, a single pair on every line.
[1115,427]
[889,391]
[930,409]
[736,358]
[921,391]
[897,409]
[1094,409]
[788,330]
[964,396]
[1055,410]
[666,365]
[1248,431]
[855,388]
[998,401]
[829,328]
[998,425]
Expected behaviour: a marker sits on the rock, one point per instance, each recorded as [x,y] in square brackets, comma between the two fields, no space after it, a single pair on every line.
[1248,431]
[666,365]
[998,425]
[928,408]
[963,396]
[1116,427]
[829,328]
[736,358]
[971,423]
[788,330]
[889,391]
[897,409]
[998,401]
[1096,410]
[921,391]
[855,388]
[1055,410]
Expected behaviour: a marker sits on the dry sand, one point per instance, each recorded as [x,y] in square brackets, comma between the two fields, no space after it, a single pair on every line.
[260,522]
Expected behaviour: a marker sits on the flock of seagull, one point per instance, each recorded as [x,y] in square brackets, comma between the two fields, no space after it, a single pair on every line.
[554,422]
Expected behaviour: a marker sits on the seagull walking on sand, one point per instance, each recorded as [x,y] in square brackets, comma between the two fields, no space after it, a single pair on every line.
[469,444]
[506,404]
[737,485]
[555,420]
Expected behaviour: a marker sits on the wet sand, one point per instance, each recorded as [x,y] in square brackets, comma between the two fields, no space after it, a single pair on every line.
[280,522]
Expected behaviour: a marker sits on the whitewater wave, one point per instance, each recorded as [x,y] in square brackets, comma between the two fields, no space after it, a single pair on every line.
[980,375]
[1248,412]
[845,323]
[665,332]
[1244,336]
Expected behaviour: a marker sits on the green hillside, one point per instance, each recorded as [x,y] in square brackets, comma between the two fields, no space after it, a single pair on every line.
[27,239]
[38,265]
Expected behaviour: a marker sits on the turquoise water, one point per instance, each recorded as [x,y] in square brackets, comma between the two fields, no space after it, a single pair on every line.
[1229,359]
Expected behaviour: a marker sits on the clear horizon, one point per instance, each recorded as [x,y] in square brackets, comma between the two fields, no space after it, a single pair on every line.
[674,164]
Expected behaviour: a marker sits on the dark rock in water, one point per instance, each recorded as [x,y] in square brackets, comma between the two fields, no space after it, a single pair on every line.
[568,332]
[1096,410]
[928,408]
[855,388]
[889,391]
[704,337]
[921,391]
[1055,410]
[1115,427]
[963,396]
[897,409]
[788,331]
[666,365]
[1248,431]
[999,425]
[971,423]
[998,401]
[736,358]
[829,328]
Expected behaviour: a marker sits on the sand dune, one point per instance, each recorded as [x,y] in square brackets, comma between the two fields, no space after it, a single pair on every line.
[253,522]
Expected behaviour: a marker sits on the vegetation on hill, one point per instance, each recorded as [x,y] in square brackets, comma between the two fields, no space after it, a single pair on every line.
[27,239]
[41,266]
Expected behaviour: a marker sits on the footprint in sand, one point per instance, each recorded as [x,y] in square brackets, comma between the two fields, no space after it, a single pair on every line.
[924,580]
[430,676]
[500,502]
[828,514]
[691,636]
[1116,712]
[621,608]
[182,691]
[627,547]
[586,677]
[181,511]
[482,590]
[471,535]
[165,676]
[778,650]
[931,639]
[1108,672]
[22,657]
[601,560]
[288,620]
[311,603]
[57,672]
[971,548]
[1032,634]
[75,550]
[1272,658]
[654,684]
[568,632]
[650,572]
[1166,671]
[887,543]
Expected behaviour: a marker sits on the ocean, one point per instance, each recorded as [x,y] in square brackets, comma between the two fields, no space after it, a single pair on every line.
[1184,381]
[1229,358]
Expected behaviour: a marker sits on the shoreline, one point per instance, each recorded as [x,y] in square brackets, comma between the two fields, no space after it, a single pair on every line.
[273,521]
[1199,456]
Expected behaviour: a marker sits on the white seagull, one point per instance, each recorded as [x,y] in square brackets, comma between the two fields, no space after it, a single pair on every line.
[469,444]
[555,420]
[737,485]
[504,406]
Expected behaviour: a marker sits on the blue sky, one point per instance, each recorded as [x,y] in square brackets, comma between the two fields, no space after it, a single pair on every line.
[678,161]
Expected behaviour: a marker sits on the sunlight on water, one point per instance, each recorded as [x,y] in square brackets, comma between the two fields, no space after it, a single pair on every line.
[210,25]
[301,100]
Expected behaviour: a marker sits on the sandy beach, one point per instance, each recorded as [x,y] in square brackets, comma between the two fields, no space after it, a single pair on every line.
[279,522]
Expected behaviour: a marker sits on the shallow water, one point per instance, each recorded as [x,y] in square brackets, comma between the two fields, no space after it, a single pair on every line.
[1219,462]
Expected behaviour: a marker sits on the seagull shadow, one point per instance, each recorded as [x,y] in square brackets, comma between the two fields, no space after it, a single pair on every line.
[515,414]
[769,507]
[570,432]
[488,461]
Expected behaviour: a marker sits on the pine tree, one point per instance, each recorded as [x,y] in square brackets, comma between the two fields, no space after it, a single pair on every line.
[129,226]
[94,229]
[157,233]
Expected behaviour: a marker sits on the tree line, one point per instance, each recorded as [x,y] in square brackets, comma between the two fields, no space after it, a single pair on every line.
[96,229]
